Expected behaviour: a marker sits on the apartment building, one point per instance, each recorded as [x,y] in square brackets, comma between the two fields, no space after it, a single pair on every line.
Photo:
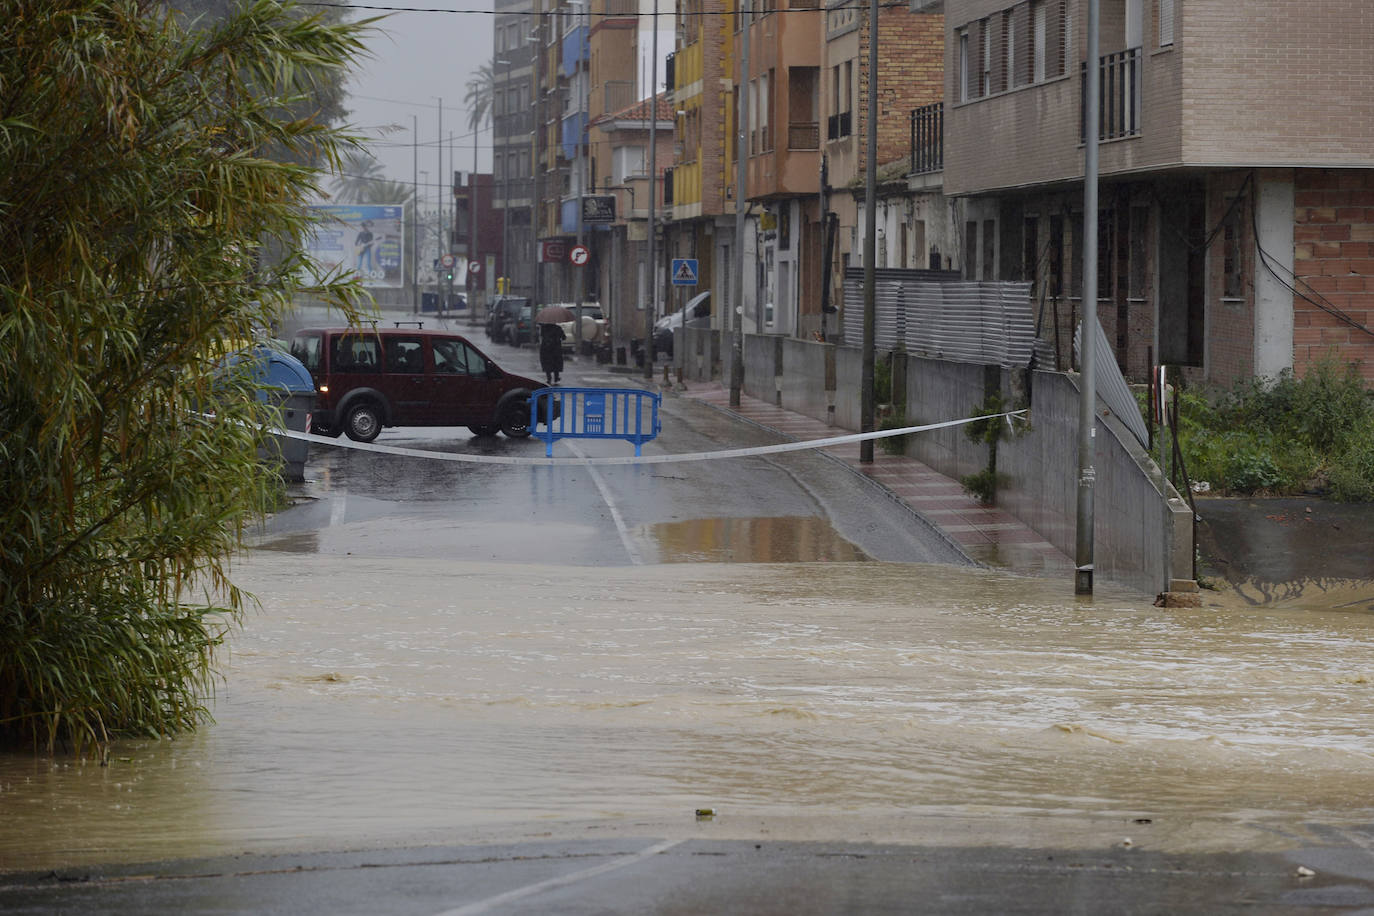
[701,221]
[620,256]
[513,122]
[912,215]
[782,142]
[1236,212]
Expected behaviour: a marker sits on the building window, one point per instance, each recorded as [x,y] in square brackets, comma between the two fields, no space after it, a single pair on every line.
[1009,77]
[963,71]
[840,124]
[1038,36]
[1166,23]
[971,250]
[1140,224]
[989,258]
[985,74]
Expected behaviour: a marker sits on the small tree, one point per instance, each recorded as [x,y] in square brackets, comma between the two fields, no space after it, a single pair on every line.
[135,196]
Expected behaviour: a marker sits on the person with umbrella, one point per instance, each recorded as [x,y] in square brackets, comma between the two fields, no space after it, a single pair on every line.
[551,338]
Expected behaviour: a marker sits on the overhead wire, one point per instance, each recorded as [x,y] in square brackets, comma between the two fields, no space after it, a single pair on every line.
[887,4]
[1321,302]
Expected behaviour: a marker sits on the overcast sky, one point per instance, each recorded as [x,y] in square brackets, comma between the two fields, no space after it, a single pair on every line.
[417,58]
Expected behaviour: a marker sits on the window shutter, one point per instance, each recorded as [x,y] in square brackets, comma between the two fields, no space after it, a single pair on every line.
[1166,23]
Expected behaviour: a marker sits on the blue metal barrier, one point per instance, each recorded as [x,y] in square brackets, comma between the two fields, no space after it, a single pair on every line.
[596,413]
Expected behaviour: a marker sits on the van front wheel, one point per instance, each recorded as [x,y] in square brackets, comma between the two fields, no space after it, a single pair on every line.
[364,422]
[515,419]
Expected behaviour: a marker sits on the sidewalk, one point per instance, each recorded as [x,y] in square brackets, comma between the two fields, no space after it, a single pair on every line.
[986,534]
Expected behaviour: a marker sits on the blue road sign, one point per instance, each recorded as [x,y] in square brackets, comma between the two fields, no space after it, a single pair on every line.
[684,271]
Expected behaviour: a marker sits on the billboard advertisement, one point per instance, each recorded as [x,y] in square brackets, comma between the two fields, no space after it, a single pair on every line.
[364,240]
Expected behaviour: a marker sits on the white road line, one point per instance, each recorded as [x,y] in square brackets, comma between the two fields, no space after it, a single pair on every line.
[486,906]
[625,538]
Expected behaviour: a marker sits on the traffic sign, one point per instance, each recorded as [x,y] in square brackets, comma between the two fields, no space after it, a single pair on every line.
[684,271]
[447,260]
[579,254]
[474,267]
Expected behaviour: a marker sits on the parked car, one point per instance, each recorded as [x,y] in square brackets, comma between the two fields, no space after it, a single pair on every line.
[374,378]
[520,327]
[593,325]
[499,316]
[695,314]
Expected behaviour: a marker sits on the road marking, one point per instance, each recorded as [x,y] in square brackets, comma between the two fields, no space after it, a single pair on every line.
[485,906]
[635,558]
[631,459]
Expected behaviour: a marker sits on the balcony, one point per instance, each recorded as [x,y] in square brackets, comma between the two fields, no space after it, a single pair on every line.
[1119,104]
[618,95]
[804,135]
[838,126]
[928,138]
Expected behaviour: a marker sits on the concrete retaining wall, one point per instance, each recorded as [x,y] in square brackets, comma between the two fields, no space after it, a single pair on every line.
[1140,539]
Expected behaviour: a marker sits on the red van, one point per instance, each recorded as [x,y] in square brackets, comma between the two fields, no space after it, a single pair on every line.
[367,379]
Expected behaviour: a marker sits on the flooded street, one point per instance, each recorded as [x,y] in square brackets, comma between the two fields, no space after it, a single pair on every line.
[374,702]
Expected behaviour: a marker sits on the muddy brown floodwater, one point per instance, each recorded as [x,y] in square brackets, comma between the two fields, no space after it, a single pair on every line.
[374,702]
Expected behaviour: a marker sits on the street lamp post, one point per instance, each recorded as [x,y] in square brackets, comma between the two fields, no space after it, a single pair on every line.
[505,175]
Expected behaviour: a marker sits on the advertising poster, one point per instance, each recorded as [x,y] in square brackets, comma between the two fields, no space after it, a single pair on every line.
[362,239]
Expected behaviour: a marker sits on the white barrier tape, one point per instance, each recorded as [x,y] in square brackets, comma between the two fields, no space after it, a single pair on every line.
[631,459]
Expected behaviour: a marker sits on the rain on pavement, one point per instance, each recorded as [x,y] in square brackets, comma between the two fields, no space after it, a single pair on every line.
[453,653]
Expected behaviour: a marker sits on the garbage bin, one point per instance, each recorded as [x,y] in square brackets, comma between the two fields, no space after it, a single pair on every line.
[282,382]
[286,384]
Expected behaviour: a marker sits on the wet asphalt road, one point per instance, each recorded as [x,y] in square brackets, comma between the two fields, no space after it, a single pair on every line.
[704,876]
[361,503]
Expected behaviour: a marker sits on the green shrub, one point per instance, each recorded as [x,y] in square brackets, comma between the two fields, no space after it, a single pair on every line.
[1352,474]
[982,486]
[1251,470]
[895,445]
[1279,436]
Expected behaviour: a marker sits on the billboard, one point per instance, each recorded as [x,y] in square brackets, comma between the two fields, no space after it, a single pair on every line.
[364,240]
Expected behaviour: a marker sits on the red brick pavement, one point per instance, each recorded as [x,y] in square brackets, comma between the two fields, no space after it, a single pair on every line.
[986,533]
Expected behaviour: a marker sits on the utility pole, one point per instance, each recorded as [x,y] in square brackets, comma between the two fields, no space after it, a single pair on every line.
[584,74]
[1087,407]
[415,215]
[866,397]
[649,355]
[537,202]
[736,311]
[473,253]
[440,250]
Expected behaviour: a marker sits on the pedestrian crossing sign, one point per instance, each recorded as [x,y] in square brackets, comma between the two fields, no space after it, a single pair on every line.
[684,271]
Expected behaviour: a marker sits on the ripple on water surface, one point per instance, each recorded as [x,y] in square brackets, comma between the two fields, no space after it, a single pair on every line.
[398,700]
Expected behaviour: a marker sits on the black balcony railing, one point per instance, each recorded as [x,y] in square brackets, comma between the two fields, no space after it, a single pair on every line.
[804,135]
[928,138]
[837,126]
[1119,103]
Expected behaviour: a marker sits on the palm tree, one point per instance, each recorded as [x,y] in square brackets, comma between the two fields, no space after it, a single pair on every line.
[357,178]
[479,97]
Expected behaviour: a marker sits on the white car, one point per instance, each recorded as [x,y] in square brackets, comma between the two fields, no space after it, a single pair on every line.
[695,314]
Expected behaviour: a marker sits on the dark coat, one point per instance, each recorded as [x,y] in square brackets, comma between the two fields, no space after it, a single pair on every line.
[551,348]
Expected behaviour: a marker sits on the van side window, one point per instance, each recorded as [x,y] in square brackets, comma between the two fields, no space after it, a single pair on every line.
[455,356]
[306,348]
[405,355]
[356,353]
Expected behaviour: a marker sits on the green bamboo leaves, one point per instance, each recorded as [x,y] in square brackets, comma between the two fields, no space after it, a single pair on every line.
[151,217]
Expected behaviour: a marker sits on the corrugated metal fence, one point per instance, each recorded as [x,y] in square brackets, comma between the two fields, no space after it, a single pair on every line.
[936,314]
